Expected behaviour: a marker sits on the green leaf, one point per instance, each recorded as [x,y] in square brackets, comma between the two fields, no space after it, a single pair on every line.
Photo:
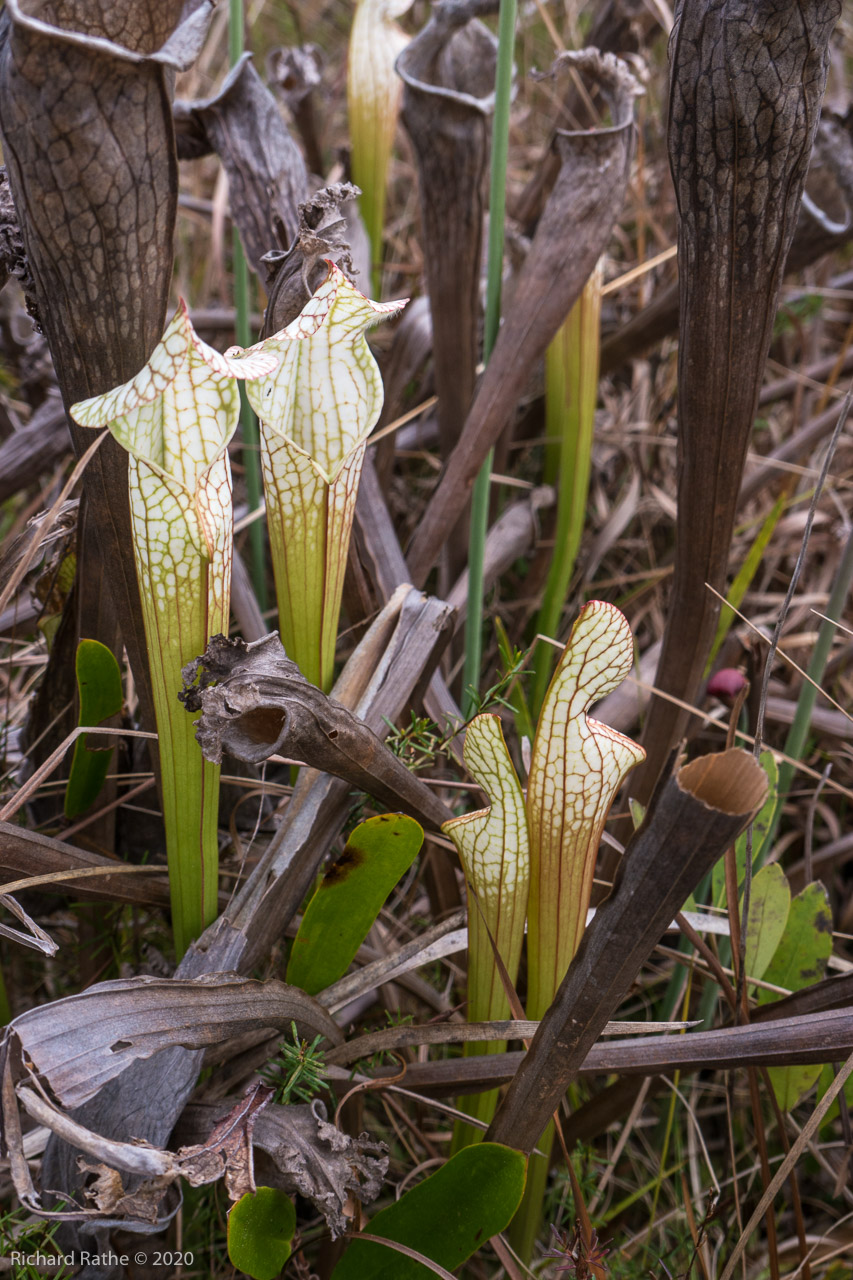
[760,828]
[99,687]
[571,394]
[828,1072]
[769,904]
[349,899]
[638,812]
[260,1229]
[800,960]
[447,1217]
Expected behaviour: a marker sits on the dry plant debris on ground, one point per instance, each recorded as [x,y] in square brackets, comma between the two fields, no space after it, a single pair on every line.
[721,1149]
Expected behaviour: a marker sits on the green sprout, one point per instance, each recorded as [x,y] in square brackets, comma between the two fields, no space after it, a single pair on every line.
[298,1074]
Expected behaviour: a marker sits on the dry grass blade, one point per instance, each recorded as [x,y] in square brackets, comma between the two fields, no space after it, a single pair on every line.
[46,769]
[35,937]
[81,873]
[22,567]
[782,1042]
[798,568]
[465,1032]
[441,940]
[32,855]
[782,1173]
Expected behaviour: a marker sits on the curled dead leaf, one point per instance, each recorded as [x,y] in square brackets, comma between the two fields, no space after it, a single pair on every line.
[255,702]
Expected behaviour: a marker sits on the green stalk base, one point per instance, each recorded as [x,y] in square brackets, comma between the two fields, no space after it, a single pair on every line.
[527,1223]
[482,1106]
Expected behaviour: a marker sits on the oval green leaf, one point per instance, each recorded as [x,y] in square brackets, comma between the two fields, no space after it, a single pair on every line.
[800,960]
[447,1217]
[769,904]
[99,687]
[350,897]
[260,1229]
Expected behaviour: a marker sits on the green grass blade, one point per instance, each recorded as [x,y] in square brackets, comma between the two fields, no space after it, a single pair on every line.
[497,216]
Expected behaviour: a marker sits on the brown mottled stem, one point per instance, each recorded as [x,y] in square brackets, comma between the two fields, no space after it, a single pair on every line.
[88,140]
[448,73]
[572,233]
[746,85]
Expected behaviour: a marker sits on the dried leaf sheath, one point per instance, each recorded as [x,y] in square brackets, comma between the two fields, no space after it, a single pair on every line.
[747,82]
[572,234]
[175,419]
[316,412]
[266,174]
[448,71]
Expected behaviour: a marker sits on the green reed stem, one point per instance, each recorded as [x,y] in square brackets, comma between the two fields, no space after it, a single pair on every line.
[497,215]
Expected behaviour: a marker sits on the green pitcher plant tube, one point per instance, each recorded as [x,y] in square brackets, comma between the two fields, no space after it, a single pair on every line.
[175,419]
[493,848]
[576,767]
[316,412]
[373,102]
[550,840]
